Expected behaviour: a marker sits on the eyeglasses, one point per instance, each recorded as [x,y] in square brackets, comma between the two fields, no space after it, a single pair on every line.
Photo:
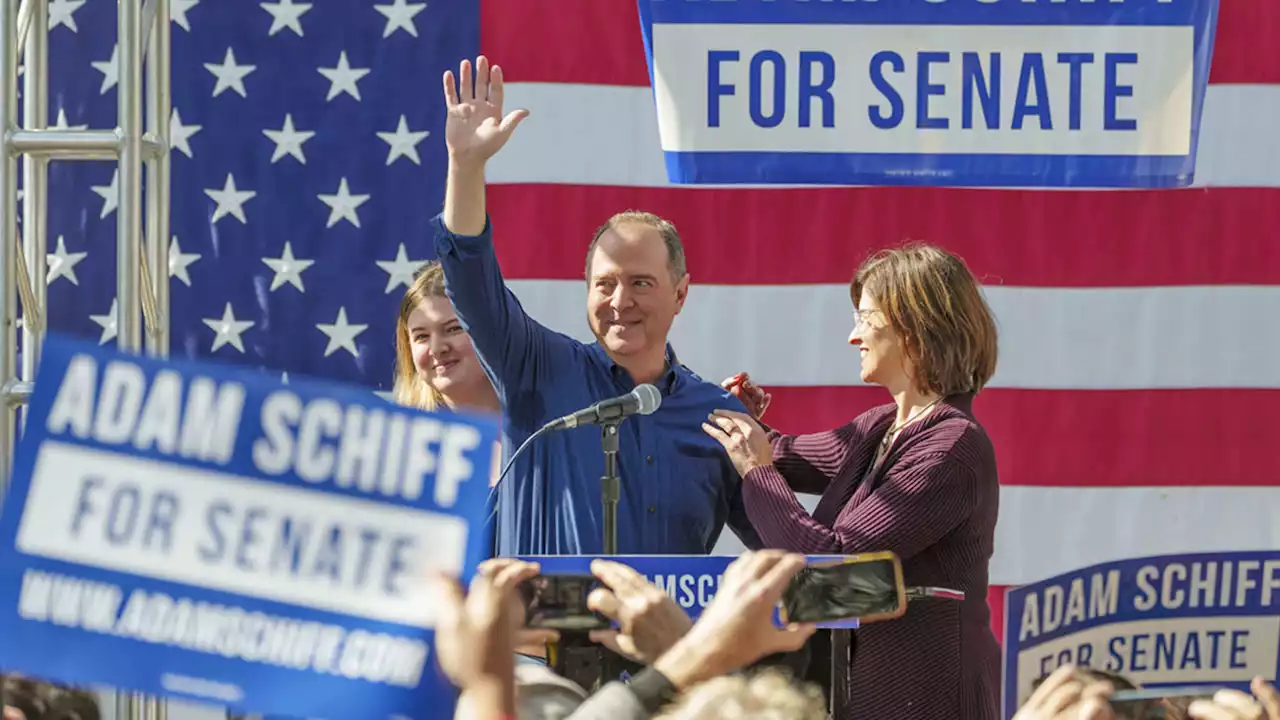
[860,316]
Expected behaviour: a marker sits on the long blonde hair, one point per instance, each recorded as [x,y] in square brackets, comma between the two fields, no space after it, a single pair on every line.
[410,387]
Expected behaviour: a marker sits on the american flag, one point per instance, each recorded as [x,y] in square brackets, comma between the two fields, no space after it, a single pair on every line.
[1134,409]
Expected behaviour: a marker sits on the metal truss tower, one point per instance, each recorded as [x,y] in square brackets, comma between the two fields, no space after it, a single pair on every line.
[138,143]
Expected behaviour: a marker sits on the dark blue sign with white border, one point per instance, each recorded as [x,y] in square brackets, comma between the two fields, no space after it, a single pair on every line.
[994,93]
[192,529]
[690,580]
[1203,619]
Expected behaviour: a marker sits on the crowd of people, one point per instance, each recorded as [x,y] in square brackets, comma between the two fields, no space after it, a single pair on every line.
[707,670]
[915,476]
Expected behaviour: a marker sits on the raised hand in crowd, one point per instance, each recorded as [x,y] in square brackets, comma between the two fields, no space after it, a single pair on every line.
[649,621]
[475,127]
[1235,705]
[737,628]
[475,638]
[748,393]
[517,611]
[1068,694]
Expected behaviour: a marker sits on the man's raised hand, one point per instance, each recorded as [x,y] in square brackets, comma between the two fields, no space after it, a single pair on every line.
[475,128]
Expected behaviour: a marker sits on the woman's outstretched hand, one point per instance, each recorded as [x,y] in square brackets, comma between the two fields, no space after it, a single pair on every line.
[748,393]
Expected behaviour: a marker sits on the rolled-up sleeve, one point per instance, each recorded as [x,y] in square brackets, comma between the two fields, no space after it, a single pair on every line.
[512,347]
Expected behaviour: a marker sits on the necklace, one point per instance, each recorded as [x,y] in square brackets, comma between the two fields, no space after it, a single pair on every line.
[893,431]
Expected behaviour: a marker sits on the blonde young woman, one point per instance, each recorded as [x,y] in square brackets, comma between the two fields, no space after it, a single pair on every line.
[437,368]
[436,365]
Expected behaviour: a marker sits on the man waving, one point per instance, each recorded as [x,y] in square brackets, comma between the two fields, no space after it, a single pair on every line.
[678,488]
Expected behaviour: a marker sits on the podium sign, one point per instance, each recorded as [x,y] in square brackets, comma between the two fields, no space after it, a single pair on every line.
[999,93]
[690,580]
[1204,619]
[202,530]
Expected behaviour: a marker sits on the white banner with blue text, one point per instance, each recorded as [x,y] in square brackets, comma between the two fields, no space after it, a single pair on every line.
[991,93]
[1203,619]
[207,531]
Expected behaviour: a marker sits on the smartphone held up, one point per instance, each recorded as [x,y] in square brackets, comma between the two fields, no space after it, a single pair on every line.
[846,591]
[559,602]
[1167,703]
[830,592]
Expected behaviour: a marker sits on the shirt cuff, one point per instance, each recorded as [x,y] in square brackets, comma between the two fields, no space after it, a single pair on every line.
[448,242]
[652,689]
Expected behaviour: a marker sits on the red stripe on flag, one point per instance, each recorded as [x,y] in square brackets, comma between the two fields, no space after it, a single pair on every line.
[598,41]
[1245,26]
[995,601]
[573,41]
[1050,239]
[1090,438]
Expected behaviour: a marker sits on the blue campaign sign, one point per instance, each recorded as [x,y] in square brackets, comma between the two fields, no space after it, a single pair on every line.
[200,530]
[995,93]
[691,580]
[1204,619]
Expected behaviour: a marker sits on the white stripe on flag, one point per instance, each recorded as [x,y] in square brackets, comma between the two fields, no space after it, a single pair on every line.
[1050,338]
[1044,531]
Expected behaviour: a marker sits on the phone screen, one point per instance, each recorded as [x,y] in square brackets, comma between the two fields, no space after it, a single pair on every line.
[559,602]
[844,591]
[1169,703]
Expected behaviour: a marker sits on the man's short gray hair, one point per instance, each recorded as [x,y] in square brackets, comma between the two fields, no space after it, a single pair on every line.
[670,237]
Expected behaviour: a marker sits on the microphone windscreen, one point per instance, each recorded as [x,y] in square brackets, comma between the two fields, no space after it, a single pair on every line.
[649,398]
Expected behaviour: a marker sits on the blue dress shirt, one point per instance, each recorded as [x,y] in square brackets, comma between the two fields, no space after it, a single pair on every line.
[679,489]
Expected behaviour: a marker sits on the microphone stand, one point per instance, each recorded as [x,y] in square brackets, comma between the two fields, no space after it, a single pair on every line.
[611,666]
[610,484]
[588,664]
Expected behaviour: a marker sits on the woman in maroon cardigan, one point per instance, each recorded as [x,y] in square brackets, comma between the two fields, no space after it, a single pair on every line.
[916,476]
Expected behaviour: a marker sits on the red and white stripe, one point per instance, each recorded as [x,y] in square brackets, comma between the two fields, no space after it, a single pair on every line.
[1134,410]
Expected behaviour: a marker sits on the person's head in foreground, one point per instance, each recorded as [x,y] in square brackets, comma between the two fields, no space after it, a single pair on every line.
[28,699]
[765,695]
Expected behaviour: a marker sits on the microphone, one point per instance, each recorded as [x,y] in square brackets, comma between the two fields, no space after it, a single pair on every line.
[642,401]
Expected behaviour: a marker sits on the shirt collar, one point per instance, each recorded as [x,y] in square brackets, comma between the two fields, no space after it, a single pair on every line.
[666,382]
